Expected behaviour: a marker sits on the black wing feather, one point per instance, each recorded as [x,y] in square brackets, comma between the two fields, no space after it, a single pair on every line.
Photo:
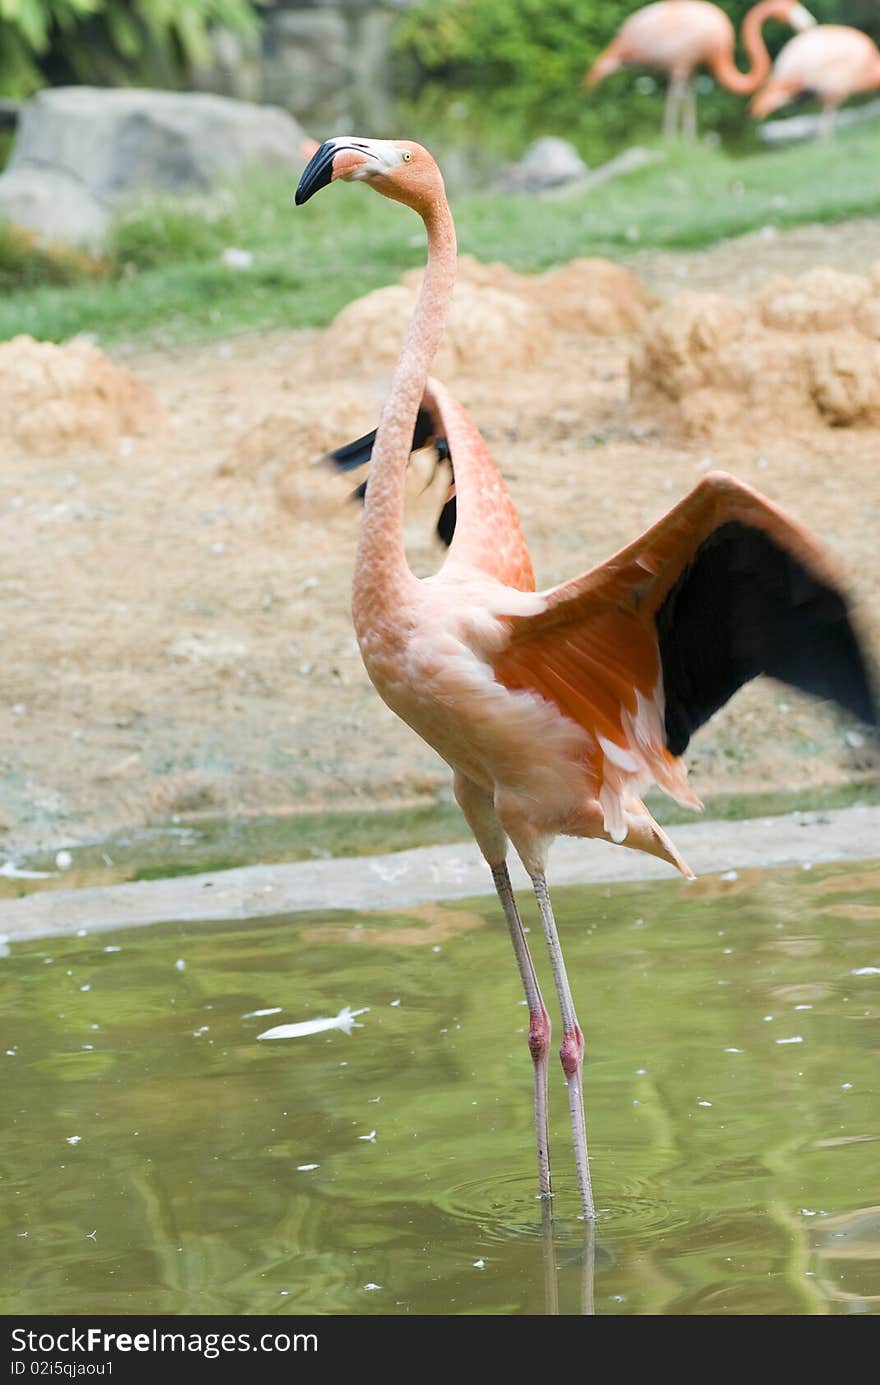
[359,452]
[356,454]
[446,521]
[745,606]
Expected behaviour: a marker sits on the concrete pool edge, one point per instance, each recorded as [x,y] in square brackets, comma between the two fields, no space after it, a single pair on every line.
[429,874]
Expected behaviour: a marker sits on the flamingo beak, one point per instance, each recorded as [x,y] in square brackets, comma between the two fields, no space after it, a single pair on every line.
[331,160]
[801,19]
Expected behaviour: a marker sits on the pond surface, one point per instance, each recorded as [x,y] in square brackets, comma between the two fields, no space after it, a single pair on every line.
[156,1157]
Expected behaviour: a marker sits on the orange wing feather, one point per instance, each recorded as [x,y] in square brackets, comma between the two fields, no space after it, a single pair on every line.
[594,652]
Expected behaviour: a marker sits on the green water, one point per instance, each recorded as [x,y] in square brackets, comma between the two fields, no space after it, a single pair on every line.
[151,1148]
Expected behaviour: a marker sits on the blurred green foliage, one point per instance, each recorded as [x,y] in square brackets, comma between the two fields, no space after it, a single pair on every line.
[519,64]
[56,41]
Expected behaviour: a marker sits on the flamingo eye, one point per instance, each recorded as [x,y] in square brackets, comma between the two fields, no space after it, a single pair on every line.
[407,155]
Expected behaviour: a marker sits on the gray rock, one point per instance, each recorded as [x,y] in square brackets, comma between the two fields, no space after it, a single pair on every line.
[630,161]
[329,62]
[372,98]
[115,145]
[233,66]
[548,163]
[55,205]
[542,173]
[308,63]
[798,127]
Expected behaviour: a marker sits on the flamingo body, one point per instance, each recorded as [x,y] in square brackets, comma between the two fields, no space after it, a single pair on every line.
[675,36]
[595,671]
[831,62]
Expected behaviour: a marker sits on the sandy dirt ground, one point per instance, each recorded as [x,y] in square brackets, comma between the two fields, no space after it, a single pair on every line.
[175,600]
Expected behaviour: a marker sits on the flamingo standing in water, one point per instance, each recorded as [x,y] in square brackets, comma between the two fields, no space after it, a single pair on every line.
[679,36]
[831,62]
[557,709]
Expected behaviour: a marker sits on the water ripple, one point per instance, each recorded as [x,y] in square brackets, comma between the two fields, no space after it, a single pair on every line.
[505,1207]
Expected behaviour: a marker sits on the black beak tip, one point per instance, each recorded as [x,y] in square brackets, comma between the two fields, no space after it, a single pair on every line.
[317,173]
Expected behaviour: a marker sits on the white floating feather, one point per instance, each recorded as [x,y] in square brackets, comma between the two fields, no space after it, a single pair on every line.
[345,1021]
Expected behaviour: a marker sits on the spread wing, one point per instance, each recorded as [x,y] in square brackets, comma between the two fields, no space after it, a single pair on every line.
[641,650]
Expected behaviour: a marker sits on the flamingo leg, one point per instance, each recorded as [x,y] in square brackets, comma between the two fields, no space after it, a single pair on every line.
[572,1050]
[588,1274]
[539,1022]
[551,1277]
[689,122]
[826,122]
[672,109]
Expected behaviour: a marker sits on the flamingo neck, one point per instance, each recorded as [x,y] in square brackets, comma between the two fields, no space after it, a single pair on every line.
[723,66]
[381,569]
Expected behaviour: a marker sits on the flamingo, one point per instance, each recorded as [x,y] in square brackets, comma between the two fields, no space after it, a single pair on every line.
[680,35]
[831,62]
[556,709]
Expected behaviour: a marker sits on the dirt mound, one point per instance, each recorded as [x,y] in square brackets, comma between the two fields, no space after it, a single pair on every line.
[500,320]
[470,270]
[486,326]
[72,396]
[802,353]
[284,450]
[589,295]
[821,300]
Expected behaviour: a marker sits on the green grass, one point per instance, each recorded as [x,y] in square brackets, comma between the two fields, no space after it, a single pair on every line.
[27,263]
[167,282]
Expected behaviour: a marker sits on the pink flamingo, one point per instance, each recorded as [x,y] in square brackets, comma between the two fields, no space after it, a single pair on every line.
[679,36]
[831,62]
[557,709]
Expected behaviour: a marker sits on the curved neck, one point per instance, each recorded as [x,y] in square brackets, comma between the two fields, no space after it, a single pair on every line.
[722,64]
[381,564]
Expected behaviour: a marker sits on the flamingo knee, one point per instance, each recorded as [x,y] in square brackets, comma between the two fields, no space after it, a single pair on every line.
[571,1052]
[540,1030]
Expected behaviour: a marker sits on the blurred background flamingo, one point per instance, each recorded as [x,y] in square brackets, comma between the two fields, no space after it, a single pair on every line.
[830,62]
[678,36]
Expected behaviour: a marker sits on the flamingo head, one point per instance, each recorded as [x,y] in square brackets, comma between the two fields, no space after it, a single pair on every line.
[399,169]
[605,64]
[776,93]
[799,18]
